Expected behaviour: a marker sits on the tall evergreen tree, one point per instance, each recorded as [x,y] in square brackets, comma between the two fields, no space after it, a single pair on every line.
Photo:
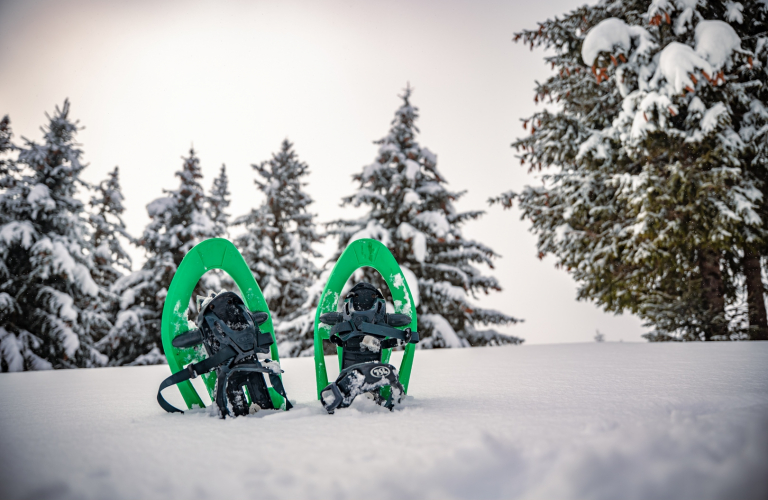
[48,297]
[278,245]
[178,222]
[655,195]
[412,213]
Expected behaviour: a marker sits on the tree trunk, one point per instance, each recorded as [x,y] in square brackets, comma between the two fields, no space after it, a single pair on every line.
[713,293]
[758,324]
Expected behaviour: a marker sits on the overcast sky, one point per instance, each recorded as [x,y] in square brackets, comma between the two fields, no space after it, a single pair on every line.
[149,79]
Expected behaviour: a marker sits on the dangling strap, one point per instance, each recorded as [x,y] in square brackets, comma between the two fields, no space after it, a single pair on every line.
[192,371]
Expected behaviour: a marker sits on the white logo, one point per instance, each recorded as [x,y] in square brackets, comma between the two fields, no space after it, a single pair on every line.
[380,371]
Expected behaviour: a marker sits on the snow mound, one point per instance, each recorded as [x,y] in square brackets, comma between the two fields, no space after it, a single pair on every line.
[599,420]
[716,41]
[611,33]
[676,63]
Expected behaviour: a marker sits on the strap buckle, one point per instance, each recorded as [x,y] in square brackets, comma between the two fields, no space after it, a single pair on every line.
[191,370]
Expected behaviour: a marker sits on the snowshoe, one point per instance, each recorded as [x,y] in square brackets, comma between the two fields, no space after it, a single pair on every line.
[368,335]
[232,339]
[362,330]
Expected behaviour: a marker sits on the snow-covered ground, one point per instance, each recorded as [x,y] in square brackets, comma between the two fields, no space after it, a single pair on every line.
[612,420]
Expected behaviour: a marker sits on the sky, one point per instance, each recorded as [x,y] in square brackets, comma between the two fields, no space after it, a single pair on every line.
[148,80]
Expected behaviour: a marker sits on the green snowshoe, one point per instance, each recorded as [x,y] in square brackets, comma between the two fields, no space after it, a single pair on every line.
[229,336]
[363,331]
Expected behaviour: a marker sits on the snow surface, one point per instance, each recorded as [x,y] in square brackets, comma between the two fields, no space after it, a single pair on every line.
[602,420]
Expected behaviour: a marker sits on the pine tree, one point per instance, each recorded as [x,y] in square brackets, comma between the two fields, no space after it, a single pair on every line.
[178,222]
[108,225]
[278,245]
[48,297]
[412,213]
[654,194]
[218,202]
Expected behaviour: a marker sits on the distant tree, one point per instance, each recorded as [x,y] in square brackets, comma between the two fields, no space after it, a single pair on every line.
[278,245]
[599,337]
[218,202]
[108,226]
[178,222]
[49,301]
[654,193]
[412,213]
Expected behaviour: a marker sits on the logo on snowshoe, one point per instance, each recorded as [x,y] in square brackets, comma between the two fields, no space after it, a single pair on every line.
[380,371]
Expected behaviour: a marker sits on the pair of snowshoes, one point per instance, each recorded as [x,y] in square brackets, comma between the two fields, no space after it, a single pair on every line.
[362,330]
[232,340]
[237,373]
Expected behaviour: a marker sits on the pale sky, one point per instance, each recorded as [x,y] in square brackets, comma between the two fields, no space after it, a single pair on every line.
[148,79]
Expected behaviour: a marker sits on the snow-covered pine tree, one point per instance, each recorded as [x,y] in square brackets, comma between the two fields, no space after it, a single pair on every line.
[278,245]
[107,222]
[218,202]
[656,148]
[178,222]
[48,297]
[7,165]
[412,213]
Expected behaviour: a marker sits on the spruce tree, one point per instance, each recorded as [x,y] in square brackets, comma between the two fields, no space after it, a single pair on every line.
[48,297]
[218,202]
[106,219]
[654,160]
[178,222]
[278,245]
[412,213]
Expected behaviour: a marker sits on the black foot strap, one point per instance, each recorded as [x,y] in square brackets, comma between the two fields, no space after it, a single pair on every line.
[361,378]
[209,364]
[192,371]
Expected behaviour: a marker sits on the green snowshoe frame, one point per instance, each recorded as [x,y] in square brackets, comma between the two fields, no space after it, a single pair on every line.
[364,253]
[215,253]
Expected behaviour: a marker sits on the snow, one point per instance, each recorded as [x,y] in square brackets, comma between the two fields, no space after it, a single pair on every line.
[436,222]
[18,232]
[160,206]
[413,284]
[373,230]
[411,169]
[610,33]
[716,41]
[442,329]
[676,62]
[734,12]
[595,145]
[418,240]
[598,420]
[40,197]
[708,122]
[10,349]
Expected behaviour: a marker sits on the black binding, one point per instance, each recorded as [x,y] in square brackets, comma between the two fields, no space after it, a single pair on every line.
[363,328]
[231,337]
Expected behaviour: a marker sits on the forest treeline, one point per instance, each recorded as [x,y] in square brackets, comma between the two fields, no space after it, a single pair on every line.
[69,296]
